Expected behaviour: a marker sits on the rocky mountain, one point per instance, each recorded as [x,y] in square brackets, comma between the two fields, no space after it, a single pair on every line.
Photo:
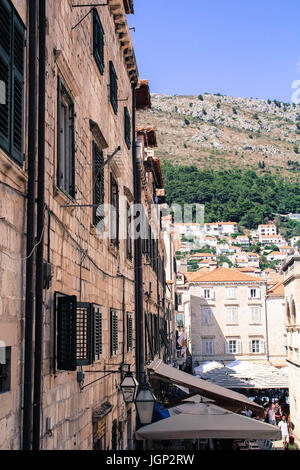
[223,132]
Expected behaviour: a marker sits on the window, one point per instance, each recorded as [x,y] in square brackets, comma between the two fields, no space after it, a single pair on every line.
[98,41]
[98,188]
[129,233]
[114,435]
[5,368]
[208,346]
[129,332]
[114,201]
[180,320]
[65,141]
[231,293]
[232,346]
[12,45]
[113,87]
[232,316]
[127,128]
[97,332]
[255,315]
[257,346]
[78,332]
[114,332]
[207,316]
[254,293]
[208,294]
[179,296]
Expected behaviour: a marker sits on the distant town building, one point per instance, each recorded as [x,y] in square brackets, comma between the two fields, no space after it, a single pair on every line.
[267,229]
[219,228]
[295,217]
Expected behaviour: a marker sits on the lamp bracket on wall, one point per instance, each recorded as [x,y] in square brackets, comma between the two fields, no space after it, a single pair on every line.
[92,6]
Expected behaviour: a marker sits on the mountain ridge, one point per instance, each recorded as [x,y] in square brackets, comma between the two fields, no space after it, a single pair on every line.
[222,132]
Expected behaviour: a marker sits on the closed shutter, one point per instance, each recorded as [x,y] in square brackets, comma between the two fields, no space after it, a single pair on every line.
[5,72]
[202,294]
[113,87]
[239,346]
[262,346]
[226,346]
[84,334]
[113,332]
[98,40]
[66,333]
[12,44]
[114,435]
[129,333]
[250,347]
[98,187]
[18,92]
[212,294]
[98,349]
[127,128]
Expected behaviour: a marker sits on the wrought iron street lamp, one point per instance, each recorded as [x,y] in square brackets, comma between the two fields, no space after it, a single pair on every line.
[129,387]
[145,402]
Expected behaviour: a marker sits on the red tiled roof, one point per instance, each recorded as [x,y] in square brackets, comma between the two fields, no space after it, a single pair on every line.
[225,275]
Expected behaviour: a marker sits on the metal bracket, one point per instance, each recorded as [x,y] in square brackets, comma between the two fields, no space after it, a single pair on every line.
[100,169]
[89,5]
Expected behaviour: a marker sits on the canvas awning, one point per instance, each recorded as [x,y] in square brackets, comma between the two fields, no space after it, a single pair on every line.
[207,421]
[228,399]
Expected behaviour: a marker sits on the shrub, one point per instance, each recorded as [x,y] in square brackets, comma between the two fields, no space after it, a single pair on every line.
[187,122]
[200,97]
[234,110]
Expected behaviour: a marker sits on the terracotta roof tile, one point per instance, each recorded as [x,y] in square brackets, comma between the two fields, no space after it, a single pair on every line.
[225,275]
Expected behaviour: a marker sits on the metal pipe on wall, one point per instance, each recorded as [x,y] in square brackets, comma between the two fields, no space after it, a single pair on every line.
[29,293]
[39,307]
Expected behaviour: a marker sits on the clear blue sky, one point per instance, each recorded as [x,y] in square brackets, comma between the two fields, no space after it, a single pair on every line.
[243,48]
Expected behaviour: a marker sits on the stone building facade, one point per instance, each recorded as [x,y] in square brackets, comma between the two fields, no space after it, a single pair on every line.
[291,271]
[90,78]
[157,320]
[228,316]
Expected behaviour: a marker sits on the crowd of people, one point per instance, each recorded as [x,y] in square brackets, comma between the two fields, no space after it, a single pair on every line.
[275,416]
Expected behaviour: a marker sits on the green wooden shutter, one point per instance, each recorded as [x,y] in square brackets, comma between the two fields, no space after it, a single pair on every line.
[129,332]
[113,80]
[17,92]
[98,185]
[84,334]
[66,333]
[98,41]
[5,72]
[113,332]
[97,313]
[127,128]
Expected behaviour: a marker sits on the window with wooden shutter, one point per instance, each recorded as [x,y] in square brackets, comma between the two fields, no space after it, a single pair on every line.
[113,332]
[129,233]
[65,140]
[84,332]
[113,80]
[66,333]
[129,332]
[114,435]
[5,369]
[114,201]
[98,188]
[127,128]
[98,348]
[98,41]
[12,45]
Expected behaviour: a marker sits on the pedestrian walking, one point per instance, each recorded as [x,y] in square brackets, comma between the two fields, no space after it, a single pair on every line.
[283,426]
[271,415]
[278,411]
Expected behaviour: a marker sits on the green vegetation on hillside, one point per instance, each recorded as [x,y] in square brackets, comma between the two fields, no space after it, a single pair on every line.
[235,195]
